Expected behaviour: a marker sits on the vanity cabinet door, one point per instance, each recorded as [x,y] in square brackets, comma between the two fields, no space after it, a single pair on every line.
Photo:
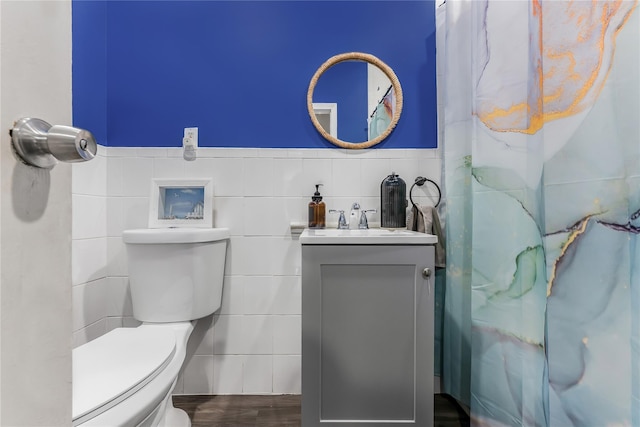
[367,335]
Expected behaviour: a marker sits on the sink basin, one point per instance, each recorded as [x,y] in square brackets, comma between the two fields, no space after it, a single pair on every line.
[372,236]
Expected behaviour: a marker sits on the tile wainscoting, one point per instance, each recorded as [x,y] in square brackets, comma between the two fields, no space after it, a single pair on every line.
[252,345]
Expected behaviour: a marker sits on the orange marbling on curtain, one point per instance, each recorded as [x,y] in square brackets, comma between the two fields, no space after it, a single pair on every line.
[576,41]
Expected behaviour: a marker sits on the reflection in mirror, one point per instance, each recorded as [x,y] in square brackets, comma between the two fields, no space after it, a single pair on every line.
[367,93]
[382,101]
[345,85]
[327,115]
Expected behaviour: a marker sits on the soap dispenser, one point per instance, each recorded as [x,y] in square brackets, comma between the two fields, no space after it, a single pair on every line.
[316,210]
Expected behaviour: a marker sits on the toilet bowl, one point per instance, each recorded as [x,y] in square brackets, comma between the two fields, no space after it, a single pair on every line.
[126,377]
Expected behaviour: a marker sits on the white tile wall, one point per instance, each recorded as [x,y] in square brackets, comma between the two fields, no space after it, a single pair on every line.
[89,332]
[89,298]
[228,374]
[287,331]
[89,248]
[286,374]
[252,345]
[89,260]
[91,214]
[198,375]
[90,178]
[257,375]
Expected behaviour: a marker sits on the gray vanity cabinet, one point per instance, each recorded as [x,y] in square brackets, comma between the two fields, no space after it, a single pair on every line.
[367,335]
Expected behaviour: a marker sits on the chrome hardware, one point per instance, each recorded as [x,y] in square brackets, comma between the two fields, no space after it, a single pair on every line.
[39,144]
[426,273]
[353,217]
[342,222]
[364,223]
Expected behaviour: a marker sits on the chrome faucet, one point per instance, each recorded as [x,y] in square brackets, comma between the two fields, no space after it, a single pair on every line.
[342,222]
[364,224]
[353,217]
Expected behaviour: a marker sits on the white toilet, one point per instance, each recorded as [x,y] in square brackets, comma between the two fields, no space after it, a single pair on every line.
[126,377]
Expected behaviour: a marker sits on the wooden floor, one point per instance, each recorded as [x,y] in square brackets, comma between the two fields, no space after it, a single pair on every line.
[282,411]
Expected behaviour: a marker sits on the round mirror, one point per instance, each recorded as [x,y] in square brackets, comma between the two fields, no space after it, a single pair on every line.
[354,100]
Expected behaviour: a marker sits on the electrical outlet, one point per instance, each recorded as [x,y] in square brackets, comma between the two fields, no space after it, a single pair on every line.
[190,137]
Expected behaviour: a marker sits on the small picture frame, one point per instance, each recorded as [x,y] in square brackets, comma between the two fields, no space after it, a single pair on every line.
[181,203]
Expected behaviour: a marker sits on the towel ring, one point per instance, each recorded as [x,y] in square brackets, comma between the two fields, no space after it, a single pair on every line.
[420,182]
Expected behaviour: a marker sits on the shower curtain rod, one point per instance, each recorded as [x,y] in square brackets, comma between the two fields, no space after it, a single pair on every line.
[381,99]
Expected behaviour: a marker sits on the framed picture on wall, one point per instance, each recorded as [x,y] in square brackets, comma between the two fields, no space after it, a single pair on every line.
[181,203]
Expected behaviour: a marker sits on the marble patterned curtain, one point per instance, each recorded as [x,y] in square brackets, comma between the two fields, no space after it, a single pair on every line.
[542,179]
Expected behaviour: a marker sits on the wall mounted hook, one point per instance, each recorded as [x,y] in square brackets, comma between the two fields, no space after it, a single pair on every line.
[42,145]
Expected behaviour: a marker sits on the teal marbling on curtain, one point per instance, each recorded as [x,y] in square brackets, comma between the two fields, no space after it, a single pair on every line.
[382,116]
[542,178]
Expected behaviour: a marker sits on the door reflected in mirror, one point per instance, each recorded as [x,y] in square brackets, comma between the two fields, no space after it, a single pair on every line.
[354,100]
[327,115]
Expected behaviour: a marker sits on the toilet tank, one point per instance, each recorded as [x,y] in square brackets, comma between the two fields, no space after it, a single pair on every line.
[175,274]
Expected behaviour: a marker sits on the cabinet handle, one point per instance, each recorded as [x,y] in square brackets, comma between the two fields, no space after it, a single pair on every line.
[426,273]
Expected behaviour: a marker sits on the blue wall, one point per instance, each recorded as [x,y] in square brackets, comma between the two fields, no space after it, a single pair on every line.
[239,70]
[346,84]
[89,67]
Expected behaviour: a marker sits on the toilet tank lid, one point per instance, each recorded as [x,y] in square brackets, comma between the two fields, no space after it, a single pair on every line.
[151,236]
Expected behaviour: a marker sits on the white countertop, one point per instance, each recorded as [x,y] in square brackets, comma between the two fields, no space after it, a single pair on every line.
[372,236]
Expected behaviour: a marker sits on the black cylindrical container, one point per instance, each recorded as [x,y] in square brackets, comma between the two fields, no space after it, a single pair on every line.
[393,202]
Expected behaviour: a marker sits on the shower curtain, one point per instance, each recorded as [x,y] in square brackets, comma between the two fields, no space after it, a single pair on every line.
[541,148]
[382,116]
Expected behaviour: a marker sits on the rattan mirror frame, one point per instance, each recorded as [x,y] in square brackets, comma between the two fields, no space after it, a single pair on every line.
[351,56]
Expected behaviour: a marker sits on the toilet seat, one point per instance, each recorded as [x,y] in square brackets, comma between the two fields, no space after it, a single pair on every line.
[121,362]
